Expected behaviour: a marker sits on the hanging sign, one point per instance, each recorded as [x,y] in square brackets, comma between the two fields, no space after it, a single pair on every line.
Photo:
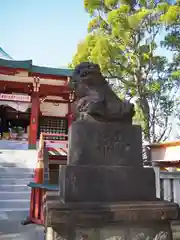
[15,97]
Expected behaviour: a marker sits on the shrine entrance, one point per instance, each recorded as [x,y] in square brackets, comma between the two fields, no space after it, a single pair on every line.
[35,98]
[14,123]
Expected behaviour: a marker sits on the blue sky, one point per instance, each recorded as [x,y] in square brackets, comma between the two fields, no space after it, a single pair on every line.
[46,31]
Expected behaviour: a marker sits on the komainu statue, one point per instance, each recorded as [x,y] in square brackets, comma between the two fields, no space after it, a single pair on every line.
[95,100]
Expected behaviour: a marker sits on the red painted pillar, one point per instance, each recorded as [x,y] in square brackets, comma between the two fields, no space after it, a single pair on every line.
[33,130]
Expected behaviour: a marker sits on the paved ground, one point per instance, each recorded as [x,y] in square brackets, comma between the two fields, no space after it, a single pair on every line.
[11,230]
[10,144]
[14,144]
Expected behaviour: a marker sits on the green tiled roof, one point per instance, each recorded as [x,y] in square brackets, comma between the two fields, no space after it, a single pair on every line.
[16,64]
[27,65]
[52,71]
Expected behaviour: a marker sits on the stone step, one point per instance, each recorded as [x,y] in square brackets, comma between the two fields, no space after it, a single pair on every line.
[14,181]
[14,203]
[16,170]
[16,175]
[15,195]
[13,188]
[14,214]
[19,232]
[18,158]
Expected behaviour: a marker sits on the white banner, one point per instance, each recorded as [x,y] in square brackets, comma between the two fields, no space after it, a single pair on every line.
[15,97]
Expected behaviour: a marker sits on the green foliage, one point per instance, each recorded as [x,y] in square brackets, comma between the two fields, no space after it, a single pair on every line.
[172,39]
[172,14]
[122,39]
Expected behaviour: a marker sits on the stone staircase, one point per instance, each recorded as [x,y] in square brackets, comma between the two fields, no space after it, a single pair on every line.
[16,171]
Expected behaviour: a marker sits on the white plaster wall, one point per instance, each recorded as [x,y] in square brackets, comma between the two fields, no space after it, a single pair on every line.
[21,77]
[57,98]
[22,73]
[166,153]
[54,109]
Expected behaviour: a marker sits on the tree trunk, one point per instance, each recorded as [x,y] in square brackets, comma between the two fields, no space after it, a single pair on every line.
[144,105]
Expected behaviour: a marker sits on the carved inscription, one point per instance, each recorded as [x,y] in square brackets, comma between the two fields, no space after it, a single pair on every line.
[107,143]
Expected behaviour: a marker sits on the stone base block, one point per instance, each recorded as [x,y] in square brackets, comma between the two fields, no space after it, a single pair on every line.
[123,220]
[139,231]
[106,184]
[110,144]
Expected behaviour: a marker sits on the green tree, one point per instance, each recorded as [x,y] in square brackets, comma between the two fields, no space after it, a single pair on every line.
[172,40]
[172,43]
[122,39]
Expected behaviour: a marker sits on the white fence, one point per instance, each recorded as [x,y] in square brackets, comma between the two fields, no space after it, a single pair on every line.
[168,185]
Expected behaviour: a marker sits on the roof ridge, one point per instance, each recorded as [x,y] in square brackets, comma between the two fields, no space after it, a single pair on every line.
[5,54]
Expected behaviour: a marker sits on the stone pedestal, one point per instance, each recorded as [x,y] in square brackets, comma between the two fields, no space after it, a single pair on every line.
[104,191]
[105,164]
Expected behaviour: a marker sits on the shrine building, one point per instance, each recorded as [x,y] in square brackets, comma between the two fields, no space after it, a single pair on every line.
[33,99]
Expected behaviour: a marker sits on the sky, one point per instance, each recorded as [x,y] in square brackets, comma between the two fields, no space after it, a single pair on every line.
[46,31]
